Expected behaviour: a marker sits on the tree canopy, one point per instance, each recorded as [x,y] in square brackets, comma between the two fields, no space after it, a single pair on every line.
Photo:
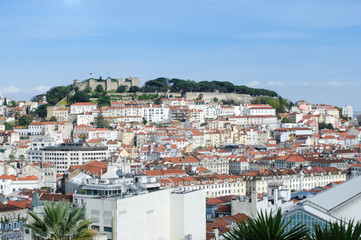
[24,120]
[99,88]
[80,96]
[286,120]
[179,85]
[101,121]
[121,89]
[55,94]
[61,221]
[267,227]
[42,111]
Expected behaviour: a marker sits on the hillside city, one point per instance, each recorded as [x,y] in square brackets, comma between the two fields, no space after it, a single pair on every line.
[176,159]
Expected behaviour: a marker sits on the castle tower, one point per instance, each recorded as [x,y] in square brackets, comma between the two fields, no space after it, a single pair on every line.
[76,84]
[108,84]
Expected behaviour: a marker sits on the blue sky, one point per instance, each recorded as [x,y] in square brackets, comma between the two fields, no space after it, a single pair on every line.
[306,49]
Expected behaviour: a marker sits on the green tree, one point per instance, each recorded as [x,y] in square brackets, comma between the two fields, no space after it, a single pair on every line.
[53,119]
[134,89]
[323,125]
[267,227]
[80,96]
[104,100]
[9,125]
[87,90]
[24,120]
[12,104]
[56,94]
[82,137]
[101,121]
[42,111]
[60,221]
[158,100]
[215,99]
[99,88]
[121,89]
[337,230]
[286,120]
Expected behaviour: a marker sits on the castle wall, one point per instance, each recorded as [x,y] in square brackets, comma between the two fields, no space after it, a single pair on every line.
[241,98]
[108,84]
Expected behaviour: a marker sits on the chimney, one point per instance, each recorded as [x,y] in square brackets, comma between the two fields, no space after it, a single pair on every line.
[216,233]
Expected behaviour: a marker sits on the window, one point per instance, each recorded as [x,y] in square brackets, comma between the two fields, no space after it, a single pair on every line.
[108,229]
[96,227]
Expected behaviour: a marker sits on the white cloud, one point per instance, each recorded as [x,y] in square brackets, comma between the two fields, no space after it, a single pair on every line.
[14,89]
[273,83]
[253,84]
[11,89]
[339,84]
[273,35]
[41,88]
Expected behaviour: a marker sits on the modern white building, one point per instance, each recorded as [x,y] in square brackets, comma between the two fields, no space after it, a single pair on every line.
[156,114]
[35,153]
[124,209]
[347,111]
[67,154]
[340,202]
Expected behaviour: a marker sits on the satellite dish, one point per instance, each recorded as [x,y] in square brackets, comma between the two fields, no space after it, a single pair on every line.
[119,173]
[124,188]
[133,187]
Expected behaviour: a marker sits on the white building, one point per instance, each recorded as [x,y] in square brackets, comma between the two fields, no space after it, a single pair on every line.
[35,154]
[291,179]
[123,209]
[238,165]
[45,172]
[276,198]
[82,107]
[258,110]
[103,133]
[214,185]
[340,202]
[11,183]
[288,134]
[156,114]
[347,111]
[67,154]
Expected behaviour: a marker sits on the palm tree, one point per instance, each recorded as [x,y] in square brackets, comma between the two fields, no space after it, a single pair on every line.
[61,221]
[267,227]
[337,231]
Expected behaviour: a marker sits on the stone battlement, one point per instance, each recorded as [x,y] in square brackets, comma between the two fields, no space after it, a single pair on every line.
[108,84]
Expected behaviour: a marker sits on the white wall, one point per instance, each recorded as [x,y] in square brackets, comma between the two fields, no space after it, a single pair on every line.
[188,215]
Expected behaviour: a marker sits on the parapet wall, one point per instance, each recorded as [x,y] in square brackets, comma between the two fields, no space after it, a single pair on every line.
[241,98]
[108,84]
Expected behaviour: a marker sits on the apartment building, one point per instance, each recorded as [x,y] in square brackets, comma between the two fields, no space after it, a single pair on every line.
[67,154]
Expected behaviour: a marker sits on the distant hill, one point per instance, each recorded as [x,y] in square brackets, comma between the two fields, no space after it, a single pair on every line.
[162,84]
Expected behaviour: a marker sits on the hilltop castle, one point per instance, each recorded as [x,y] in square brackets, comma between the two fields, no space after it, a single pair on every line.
[108,84]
